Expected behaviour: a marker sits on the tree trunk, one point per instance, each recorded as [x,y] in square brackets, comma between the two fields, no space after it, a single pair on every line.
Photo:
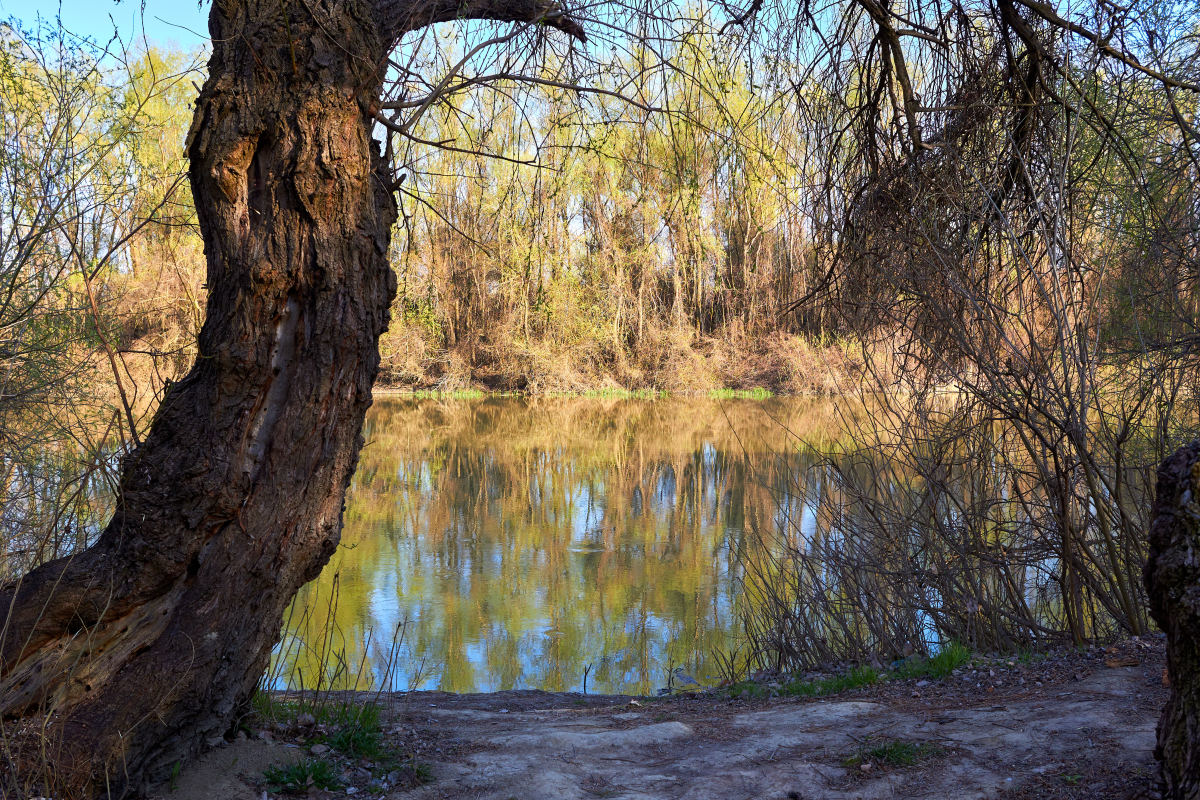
[123,660]
[145,645]
[1173,585]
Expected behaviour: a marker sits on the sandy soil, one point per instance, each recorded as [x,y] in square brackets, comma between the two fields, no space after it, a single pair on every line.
[1074,725]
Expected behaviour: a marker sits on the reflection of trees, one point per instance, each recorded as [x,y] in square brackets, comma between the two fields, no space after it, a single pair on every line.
[528,538]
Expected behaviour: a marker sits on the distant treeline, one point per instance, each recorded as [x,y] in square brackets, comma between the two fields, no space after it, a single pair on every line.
[697,232]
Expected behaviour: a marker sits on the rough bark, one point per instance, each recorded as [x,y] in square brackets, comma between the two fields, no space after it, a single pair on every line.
[1173,585]
[145,645]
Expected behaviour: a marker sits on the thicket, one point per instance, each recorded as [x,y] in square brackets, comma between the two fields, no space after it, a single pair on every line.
[1018,219]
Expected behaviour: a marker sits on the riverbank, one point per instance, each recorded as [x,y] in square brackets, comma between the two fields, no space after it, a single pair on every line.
[778,363]
[1069,725]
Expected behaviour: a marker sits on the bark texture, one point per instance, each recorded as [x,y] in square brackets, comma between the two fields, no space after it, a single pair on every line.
[1173,585]
[145,645]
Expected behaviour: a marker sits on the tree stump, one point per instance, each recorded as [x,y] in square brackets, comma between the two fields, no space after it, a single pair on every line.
[1173,585]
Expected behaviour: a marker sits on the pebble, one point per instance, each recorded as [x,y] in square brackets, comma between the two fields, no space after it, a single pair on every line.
[319,749]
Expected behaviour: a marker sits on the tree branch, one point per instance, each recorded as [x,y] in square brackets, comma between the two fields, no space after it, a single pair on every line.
[1047,12]
[398,17]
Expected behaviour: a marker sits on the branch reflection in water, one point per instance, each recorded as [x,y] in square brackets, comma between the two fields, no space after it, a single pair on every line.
[524,539]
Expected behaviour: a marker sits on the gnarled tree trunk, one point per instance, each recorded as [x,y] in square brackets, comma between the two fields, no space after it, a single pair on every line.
[1173,585]
[136,651]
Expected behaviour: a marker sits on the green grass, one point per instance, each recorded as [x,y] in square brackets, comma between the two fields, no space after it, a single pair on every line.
[300,776]
[893,753]
[421,772]
[455,394]
[757,393]
[325,711]
[356,731]
[632,394]
[359,734]
[854,679]
[937,667]
[948,659]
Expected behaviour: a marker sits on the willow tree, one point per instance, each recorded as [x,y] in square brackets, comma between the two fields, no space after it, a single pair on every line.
[119,661]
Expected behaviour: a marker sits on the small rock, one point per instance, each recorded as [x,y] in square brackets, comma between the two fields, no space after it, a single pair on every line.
[319,749]
[865,766]
[306,720]
[351,790]
[214,741]
[241,736]
[922,683]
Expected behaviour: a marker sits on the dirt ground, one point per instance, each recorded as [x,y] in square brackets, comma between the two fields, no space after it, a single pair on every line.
[1070,725]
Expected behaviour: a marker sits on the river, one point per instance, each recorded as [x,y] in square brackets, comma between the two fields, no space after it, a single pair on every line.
[511,542]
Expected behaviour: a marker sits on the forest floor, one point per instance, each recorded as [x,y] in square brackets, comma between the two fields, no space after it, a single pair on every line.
[1068,725]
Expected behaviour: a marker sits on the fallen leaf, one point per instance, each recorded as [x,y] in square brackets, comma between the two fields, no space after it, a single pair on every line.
[1122,661]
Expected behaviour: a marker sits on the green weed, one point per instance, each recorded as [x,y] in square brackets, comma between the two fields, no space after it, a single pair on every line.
[271,707]
[300,776]
[421,772]
[359,734]
[948,659]
[893,753]
[854,679]
[821,687]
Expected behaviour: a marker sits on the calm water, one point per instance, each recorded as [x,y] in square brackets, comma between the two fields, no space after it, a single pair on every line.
[515,543]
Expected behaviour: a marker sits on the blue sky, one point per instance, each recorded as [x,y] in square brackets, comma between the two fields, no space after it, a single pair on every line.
[179,22]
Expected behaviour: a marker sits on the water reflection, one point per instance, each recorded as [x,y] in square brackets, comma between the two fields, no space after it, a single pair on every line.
[525,541]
